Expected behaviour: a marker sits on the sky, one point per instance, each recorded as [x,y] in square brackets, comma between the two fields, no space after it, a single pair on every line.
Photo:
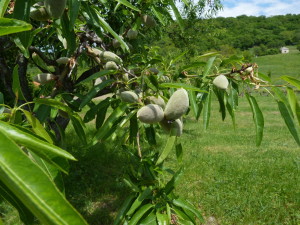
[233,8]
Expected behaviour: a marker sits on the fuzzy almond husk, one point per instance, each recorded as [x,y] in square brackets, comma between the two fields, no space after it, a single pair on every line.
[177,105]
[150,114]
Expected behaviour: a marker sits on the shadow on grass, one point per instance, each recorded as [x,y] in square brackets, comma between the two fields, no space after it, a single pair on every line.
[94,185]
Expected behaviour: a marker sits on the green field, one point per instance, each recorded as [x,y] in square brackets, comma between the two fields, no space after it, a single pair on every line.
[280,64]
[226,176]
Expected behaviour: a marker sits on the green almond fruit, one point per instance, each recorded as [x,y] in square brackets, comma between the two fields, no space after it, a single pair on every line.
[221,82]
[154,70]
[148,21]
[43,78]
[63,60]
[110,56]
[55,8]
[129,96]
[132,34]
[150,114]
[39,14]
[158,101]
[111,66]
[175,126]
[177,105]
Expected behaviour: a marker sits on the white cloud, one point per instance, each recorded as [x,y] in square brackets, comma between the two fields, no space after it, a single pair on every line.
[258,8]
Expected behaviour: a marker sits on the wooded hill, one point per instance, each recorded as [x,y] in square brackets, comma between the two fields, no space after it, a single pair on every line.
[265,35]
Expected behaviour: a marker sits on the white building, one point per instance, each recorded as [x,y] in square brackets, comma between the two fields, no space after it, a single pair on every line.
[284,50]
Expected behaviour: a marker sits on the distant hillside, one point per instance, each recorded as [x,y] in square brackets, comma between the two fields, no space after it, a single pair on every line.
[264,35]
[280,64]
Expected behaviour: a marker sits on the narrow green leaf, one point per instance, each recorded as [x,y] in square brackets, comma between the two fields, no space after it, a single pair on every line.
[53,172]
[37,127]
[158,15]
[101,114]
[123,209]
[258,119]
[220,95]
[93,92]
[32,142]
[293,81]
[206,111]
[150,134]
[3,7]
[181,85]
[10,26]
[129,5]
[100,22]
[133,129]
[33,187]
[179,152]
[162,219]
[172,183]
[140,213]
[116,114]
[139,200]
[208,66]
[188,206]
[294,103]
[25,215]
[94,110]
[131,185]
[288,119]
[193,103]
[75,6]
[96,75]
[79,129]
[177,15]
[150,219]
[166,151]
[16,86]
[68,34]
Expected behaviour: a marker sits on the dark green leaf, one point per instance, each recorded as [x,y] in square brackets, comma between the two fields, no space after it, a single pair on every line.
[206,111]
[293,81]
[188,206]
[150,219]
[116,114]
[129,5]
[179,152]
[177,14]
[79,129]
[31,185]
[133,130]
[167,149]
[220,95]
[16,86]
[288,119]
[208,66]
[44,149]
[122,211]
[150,134]
[25,215]
[139,200]
[74,5]
[93,92]
[172,183]
[139,214]
[101,114]
[94,110]
[96,75]
[258,119]
[193,103]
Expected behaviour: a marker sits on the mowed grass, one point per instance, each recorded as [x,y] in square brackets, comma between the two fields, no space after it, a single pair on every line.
[280,64]
[231,179]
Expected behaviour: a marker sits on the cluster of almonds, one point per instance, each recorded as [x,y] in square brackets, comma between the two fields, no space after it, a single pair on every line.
[167,115]
[43,11]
